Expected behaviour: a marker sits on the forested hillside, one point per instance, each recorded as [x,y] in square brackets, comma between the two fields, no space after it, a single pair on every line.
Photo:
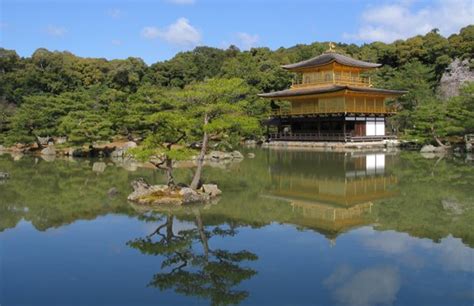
[91,99]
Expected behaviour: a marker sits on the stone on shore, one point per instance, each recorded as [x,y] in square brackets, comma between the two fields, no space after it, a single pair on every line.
[251,155]
[236,155]
[219,155]
[211,189]
[122,150]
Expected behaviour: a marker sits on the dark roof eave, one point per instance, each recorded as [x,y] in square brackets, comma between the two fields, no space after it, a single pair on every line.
[335,88]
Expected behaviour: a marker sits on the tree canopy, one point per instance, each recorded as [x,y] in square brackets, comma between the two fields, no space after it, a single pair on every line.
[68,92]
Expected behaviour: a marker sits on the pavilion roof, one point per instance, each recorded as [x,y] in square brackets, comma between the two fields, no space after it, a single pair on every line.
[328,89]
[329,57]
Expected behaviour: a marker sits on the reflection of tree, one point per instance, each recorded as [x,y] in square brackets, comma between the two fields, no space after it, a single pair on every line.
[209,273]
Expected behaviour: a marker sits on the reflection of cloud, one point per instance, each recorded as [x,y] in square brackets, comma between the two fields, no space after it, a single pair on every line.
[456,256]
[450,251]
[377,285]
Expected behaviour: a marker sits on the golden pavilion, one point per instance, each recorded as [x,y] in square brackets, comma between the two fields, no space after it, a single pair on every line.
[331,99]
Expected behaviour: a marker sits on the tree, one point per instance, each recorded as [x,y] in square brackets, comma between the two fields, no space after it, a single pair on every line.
[435,119]
[85,127]
[166,142]
[216,104]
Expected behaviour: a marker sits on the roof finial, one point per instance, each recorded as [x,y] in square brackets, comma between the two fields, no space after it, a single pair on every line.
[332,47]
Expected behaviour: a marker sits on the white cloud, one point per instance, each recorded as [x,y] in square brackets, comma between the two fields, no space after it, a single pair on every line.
[400,20]
[247,41]
[114,13]
[179,33]
[55,31]
[181,2]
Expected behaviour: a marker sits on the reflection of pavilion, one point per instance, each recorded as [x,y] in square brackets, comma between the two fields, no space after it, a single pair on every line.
[331,192]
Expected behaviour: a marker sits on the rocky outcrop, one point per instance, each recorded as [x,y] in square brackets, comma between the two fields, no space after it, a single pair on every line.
[457,73]
[146,194]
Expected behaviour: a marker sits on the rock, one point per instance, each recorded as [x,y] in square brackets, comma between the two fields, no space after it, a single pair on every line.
[112,192]
[191,196]
[251,155]
[250,143]
[219,155]
[427,149]
[211,190]
[4,175]
[50,150]
[452,206]
[457,73]
[121,151]
[236,155]
[142,189]
[99,167]
[44,141]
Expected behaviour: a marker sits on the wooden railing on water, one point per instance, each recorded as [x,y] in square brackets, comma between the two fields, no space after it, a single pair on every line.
[334,79]
[348,107]
[344,137]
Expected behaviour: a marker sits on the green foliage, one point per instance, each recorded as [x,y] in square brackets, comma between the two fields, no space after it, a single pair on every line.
[435,119]
[205,80]
[85,127]
[224,103]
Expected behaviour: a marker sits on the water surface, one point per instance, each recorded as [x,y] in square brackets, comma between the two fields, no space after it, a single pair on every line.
[292,228]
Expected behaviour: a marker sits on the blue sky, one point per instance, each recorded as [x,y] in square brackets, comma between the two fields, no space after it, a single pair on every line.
[155,30]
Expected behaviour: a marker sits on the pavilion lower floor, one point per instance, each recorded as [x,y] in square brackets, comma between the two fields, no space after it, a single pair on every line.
[333,128]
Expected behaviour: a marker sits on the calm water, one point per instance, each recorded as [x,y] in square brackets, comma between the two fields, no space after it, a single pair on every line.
[292,228]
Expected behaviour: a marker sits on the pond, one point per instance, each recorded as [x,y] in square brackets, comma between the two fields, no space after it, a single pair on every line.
[291,228]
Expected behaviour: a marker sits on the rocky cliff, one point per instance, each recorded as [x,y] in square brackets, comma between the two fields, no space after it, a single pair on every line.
[457,73]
